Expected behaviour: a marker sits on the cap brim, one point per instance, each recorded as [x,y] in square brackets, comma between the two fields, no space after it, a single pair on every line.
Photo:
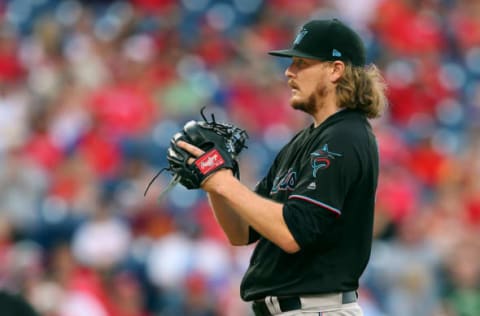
[290,53]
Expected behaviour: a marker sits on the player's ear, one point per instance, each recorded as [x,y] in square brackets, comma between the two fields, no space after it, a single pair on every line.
[337,68]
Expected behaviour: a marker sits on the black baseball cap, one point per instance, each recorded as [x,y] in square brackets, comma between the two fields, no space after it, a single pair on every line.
[326,40]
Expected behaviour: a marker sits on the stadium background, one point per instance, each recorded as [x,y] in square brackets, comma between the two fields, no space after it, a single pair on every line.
[91,92]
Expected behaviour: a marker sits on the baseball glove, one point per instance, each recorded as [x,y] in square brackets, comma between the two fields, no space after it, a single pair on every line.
[222,143]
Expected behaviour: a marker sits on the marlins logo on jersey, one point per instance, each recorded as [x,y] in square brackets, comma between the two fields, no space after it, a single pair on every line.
[321,159]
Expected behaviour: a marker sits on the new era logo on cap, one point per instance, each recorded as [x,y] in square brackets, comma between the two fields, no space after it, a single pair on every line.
[336,53]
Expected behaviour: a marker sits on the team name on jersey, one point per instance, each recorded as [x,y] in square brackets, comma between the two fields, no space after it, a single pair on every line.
[284,182]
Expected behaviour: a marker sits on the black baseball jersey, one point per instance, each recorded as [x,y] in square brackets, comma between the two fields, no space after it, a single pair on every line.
[326,178]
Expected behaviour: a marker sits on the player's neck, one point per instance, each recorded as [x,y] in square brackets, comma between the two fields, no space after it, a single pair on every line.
[324,112]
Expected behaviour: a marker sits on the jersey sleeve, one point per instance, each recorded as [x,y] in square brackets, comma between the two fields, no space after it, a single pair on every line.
[323,182]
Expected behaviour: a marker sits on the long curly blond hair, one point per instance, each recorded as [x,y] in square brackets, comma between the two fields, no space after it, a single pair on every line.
[362,88]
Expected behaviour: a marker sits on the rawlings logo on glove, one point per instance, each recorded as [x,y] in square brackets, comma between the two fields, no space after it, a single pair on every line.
[222,142]
[210,161]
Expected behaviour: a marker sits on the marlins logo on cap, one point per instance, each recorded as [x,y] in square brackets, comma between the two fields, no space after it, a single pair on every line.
[300,36]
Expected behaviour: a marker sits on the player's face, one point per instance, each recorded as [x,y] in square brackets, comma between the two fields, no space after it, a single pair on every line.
[308,81]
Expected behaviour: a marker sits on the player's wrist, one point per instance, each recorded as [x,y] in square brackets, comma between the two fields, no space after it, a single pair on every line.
[217,181]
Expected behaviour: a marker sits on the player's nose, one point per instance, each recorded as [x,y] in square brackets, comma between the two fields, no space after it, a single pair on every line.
[289,73]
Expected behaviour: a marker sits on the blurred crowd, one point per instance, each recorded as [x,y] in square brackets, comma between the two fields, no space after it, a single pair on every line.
[92,91]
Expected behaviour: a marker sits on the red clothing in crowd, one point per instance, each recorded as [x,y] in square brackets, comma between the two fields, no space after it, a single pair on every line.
[11,68]
[41,149]
[122,110]
[405,30]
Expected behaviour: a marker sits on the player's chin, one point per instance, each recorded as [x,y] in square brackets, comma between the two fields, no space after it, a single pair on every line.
[302,106]
[297,103]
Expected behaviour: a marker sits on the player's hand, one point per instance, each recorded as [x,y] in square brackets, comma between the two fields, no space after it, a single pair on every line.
[191,149]
[215,178]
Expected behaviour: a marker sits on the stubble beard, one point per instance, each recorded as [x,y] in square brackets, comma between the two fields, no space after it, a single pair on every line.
[308,106]
[313,102]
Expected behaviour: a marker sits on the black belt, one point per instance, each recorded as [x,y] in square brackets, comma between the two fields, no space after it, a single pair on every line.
[293,303]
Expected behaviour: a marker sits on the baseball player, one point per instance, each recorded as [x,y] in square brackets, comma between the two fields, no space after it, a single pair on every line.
[312,214]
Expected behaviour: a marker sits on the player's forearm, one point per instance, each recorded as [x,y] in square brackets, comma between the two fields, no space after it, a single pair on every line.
[264,215]
[235,228]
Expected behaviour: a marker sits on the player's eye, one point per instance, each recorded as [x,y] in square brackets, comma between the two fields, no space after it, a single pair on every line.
[299,63]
